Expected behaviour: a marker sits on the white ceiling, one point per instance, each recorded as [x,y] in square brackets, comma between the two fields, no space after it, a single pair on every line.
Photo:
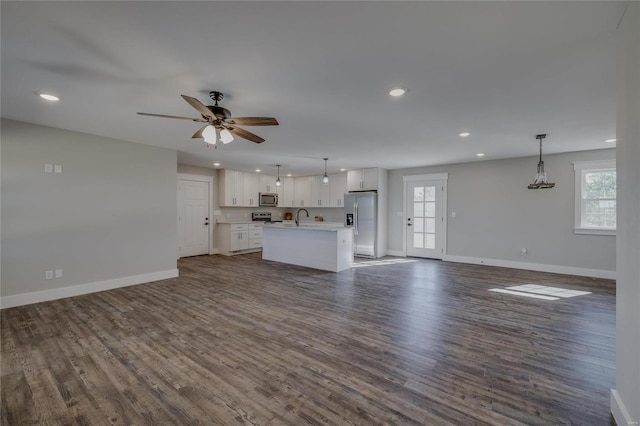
[504,71]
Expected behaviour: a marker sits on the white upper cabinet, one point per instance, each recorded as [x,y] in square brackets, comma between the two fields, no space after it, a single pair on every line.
[287,192]
[230,188]
[302,192]
[251,188]
[268,183]
[241,189]
[337,188]
[362,179]
[320,192]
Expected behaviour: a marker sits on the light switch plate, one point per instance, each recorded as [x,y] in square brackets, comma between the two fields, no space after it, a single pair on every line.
[48,275]
[58,273]
[48,168]
[57,168]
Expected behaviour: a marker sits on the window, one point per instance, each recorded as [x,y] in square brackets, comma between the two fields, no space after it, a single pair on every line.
[595,197]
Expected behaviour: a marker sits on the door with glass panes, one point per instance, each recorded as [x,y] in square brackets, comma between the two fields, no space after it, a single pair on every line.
[424,219]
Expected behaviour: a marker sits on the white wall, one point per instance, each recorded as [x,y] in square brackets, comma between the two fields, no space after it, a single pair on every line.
[108,220]
[625,401]
[497,216]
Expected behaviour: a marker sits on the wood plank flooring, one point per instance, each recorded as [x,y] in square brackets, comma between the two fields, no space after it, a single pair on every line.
[238,340]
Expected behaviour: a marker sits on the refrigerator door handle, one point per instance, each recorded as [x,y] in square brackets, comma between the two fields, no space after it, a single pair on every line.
[355,218]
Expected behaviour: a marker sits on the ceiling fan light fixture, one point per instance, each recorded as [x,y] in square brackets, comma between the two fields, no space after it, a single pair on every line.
[325,176]
[278,181]
[210,135]
[220,119]
[541,181]
[226,136]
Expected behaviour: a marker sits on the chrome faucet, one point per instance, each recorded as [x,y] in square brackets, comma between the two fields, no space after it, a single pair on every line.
[298,216]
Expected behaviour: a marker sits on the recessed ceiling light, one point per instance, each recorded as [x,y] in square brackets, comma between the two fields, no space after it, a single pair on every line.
[289,175]
[216,164]
[612,140]
[397,91]
[464,134]
[343,170]
[480,154]
[258,170]
[49,97]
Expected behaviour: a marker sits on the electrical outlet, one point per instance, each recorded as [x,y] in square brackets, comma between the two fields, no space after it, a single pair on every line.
[48,168]
[57,168]
[58,273]
[523,251]
[48,275]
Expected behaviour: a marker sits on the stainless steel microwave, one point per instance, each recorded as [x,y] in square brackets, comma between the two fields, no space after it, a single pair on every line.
[268,199]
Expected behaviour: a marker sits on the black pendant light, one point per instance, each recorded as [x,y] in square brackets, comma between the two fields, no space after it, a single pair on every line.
[325,176]
[541,176]
[278,181]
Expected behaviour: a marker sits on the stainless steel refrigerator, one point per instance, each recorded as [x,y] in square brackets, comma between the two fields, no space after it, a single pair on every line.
[360,210]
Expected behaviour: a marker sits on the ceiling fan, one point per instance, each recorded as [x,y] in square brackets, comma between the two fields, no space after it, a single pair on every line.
[220,126]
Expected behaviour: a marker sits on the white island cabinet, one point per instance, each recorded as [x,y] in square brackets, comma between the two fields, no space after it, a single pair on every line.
[326,247]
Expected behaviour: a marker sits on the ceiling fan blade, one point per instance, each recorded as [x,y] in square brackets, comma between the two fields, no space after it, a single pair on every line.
[173,116]
[245,134]
[253,121]
[199,134]
[202,109]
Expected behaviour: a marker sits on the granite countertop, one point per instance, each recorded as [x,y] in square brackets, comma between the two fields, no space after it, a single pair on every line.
[235,220]
[307,226]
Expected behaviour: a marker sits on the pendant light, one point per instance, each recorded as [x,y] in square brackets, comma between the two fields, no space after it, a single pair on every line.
[541,176]
[278,181]
[325,176]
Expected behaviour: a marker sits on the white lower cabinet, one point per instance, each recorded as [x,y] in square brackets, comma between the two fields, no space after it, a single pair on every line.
[238,238]
[255,235]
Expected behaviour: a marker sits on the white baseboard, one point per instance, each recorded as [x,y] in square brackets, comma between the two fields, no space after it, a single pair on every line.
[557,269]
[399,253]
[619,412]
[214,251]
[77,290]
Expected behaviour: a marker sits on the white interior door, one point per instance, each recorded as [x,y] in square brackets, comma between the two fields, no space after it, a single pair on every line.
[425,219]
[193,218]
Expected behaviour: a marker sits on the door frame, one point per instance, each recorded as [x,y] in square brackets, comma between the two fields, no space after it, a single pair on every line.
[444,177]
[212,224]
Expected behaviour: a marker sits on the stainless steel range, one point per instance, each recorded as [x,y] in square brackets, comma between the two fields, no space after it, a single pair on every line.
[263,217]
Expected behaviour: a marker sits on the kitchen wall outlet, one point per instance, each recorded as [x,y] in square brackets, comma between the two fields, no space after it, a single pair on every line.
[58,273]
[523,251]
[48,168]
[57,168]
[48,275]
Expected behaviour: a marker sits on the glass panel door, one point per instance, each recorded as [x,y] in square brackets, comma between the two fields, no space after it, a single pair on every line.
[424,219]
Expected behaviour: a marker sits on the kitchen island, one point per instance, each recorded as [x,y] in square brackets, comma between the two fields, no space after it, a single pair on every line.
[320,246]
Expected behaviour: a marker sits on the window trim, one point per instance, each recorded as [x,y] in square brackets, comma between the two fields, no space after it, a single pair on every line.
[579,168]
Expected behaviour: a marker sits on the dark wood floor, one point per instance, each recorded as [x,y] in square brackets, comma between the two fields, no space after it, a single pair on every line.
[237,340]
